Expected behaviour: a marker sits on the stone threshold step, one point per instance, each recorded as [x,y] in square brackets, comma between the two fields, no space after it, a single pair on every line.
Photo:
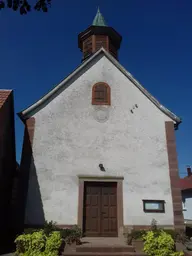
[105,249]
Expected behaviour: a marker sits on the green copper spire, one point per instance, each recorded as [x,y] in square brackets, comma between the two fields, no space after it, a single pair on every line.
[99,20]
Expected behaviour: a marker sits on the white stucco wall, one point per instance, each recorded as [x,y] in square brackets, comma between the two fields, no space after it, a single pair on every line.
[70,141]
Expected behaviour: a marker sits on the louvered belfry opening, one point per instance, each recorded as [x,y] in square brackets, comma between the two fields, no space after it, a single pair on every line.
[99,35]
[101,94]
[101,41]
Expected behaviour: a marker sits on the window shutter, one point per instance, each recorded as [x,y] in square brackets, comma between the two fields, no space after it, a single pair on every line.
[101,94]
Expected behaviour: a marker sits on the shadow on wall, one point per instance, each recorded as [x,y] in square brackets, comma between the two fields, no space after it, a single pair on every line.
[28,191]
[7,169]
[20,201]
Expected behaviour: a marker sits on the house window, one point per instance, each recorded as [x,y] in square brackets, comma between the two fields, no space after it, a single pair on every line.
[101,94]
[154,206]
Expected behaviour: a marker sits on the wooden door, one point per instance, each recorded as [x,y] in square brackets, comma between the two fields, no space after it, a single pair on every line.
[92,204]
[109,209]
[100,209]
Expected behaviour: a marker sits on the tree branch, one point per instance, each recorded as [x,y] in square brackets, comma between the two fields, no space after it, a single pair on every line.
[24,7]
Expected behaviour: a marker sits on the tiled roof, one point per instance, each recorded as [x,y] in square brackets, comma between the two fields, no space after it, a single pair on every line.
[4,94]
[186,183]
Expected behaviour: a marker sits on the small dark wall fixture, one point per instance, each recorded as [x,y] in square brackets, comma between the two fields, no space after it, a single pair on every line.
[101,167]
[134,106]
[154,206]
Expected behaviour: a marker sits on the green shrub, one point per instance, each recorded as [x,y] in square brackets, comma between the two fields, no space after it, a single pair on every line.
[38,244]
[50,227]
[135,235]
[38,240]
[23,242]
[138,234]
[47,241]
[159,245]
[53,242]
[30,243]
[72,235]
[177,236]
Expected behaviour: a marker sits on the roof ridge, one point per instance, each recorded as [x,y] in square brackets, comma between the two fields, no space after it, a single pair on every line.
[26,113]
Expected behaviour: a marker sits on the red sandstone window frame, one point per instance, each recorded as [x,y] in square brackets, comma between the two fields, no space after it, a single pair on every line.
[107,100]
[160,202]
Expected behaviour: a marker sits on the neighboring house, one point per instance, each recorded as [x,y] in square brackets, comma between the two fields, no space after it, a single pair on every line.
[99,150]
[7,159]
[186,187]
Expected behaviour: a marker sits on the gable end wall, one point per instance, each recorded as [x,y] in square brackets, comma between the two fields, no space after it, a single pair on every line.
[70,141]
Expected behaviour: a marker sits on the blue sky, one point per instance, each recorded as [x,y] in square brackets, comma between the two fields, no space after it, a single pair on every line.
[39,50]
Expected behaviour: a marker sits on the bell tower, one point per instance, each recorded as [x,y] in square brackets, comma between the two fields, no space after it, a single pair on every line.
[99,35]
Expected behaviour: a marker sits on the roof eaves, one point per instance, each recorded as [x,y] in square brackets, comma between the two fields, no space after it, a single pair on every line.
[26,113]
[142,89]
